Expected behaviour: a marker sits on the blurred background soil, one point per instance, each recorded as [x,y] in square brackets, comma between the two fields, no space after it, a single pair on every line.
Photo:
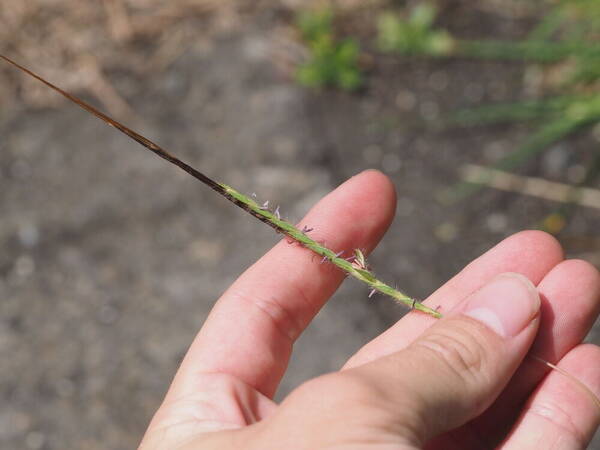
[111,259]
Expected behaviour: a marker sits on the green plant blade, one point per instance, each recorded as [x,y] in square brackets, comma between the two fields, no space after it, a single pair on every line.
[546,136]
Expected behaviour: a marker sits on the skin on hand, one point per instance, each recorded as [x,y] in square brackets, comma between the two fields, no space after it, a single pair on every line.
[460,382]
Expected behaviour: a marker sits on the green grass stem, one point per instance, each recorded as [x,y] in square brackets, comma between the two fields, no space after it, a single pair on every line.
[249,205]
[362,274]
[539,141]
[530,51]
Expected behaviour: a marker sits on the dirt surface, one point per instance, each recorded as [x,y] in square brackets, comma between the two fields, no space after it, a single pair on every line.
[111,258]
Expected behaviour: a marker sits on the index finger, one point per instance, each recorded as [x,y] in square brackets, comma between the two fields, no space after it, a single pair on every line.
[250,331]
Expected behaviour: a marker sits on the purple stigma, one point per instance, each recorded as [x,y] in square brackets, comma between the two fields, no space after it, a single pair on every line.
[324,259]
[338,254]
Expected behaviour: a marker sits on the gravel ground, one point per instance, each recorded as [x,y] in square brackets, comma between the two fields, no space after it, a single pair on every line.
[111,258]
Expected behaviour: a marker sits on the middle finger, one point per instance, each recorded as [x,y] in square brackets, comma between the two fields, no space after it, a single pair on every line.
[531,253]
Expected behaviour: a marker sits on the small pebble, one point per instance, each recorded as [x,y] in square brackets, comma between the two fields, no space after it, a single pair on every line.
[29,235]
[555,160]
[35,440]
[372,154]
[497,222]
[446,232]
[24,266]
[406,100]
[391,163]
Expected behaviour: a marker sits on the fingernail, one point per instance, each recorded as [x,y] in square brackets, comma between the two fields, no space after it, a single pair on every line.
[506,304]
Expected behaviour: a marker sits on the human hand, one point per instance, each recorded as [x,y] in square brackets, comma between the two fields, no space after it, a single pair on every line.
[459,382]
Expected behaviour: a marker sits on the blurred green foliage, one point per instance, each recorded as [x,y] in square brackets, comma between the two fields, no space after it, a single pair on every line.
[414,35]
[331,62]
[565,42]
[566,38]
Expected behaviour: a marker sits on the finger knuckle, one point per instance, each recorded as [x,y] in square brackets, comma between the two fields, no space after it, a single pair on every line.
[559,416]
[462,353]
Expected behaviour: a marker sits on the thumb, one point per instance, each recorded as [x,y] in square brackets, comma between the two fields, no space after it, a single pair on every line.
[456,369]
